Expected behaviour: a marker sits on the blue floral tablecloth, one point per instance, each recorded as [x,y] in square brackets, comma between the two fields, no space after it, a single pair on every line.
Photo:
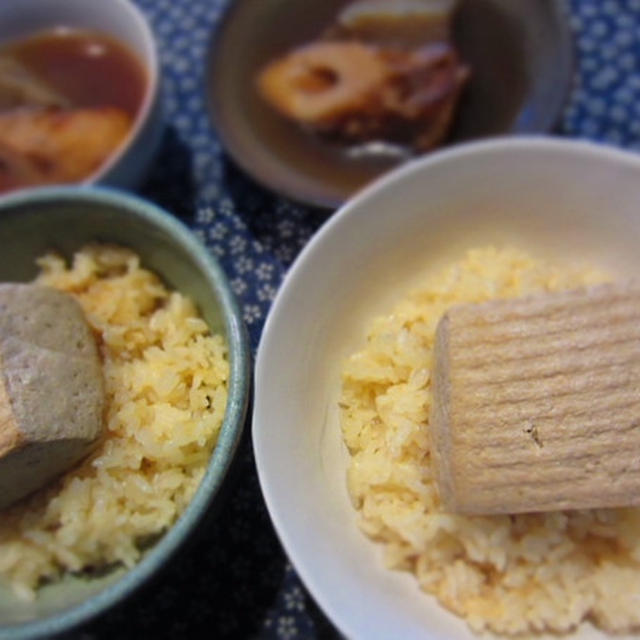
[234,581]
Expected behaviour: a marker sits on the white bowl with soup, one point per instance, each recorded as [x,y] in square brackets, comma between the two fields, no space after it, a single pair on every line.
[346,355]
[79,93]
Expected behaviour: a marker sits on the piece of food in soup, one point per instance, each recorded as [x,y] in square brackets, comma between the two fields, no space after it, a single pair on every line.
[51,388]
[356,92]
[402,22]
[45,146]
[537,403]
[19,87]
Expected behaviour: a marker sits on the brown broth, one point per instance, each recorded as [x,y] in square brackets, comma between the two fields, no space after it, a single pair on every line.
[88,68]
[8,181]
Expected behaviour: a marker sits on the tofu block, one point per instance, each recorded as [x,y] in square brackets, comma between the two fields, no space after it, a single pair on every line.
[51,388]
[536,402]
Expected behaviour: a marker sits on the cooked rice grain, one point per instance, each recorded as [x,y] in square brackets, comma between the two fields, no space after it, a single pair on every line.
[166,386]
[508,574]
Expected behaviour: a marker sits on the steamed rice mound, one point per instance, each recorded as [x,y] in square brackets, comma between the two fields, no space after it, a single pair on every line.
[166,389]
[507,574]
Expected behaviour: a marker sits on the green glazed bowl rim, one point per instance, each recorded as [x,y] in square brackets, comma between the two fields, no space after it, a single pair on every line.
[235,413]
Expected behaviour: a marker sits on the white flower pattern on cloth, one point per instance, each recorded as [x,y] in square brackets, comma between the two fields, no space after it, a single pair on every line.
[236,582]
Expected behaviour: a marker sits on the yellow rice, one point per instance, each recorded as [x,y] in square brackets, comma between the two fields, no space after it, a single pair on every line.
[508,574]
[166,386]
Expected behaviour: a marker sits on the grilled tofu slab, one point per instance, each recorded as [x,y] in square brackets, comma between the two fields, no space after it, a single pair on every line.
[537,402]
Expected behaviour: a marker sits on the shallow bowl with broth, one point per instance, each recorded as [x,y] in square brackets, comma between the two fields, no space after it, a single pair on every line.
[520,55]
[65,219]
[562,199]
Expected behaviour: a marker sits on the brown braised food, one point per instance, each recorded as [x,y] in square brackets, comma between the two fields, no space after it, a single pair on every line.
[359,92]
[371,78]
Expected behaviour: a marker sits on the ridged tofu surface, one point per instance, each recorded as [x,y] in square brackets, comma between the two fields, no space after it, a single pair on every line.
[537,402]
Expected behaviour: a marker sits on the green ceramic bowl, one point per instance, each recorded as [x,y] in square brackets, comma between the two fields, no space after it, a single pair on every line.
[65,218]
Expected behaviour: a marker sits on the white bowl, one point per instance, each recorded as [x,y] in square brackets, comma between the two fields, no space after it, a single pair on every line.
[557,197]
[123,21]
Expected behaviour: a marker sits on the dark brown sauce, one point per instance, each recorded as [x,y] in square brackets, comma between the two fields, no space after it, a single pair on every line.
[90,69]
[8,181]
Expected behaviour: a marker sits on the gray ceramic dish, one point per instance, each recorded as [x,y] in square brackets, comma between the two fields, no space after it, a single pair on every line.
[65,218]
[520,54]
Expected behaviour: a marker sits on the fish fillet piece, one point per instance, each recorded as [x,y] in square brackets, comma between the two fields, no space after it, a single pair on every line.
[59,145]
[537,402]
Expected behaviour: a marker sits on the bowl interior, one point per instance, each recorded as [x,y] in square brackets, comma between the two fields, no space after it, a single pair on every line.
[520,55]
[27,232]
[559,199]
[65,219]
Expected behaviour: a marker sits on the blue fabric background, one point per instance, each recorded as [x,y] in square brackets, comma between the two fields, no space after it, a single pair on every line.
[235,581]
